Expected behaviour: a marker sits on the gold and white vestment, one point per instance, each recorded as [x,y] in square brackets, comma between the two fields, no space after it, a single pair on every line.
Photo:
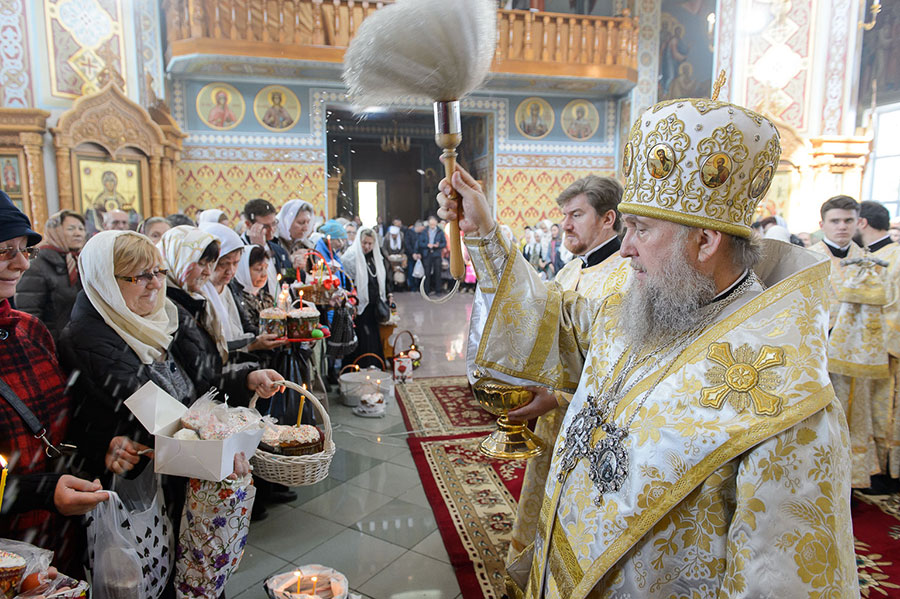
[738,479]
[858,357]
[598,281]
[887,426]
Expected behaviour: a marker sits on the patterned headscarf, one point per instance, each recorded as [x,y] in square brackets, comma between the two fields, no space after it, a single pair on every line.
[180,247]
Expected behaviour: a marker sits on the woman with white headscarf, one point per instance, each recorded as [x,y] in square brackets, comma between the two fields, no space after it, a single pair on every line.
[295,223]
[392,246]
[230,250]
[213,215]
[249,287]
[189,255]
[365,265]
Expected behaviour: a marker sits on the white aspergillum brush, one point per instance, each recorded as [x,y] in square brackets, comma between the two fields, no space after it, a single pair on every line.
[438,49]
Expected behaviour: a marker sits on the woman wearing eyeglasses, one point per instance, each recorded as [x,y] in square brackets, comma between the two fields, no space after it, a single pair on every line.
[38,491]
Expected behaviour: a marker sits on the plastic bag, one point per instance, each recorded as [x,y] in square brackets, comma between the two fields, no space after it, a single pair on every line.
[214,527]
[132,525]
[37,564]
[61,587]
[215,420]
[418,270]
[115,565]
[36,559]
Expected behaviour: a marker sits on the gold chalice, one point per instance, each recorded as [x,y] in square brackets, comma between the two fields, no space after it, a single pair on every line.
[511,440]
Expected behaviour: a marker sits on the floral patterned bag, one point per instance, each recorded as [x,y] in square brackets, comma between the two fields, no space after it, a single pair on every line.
[214,527]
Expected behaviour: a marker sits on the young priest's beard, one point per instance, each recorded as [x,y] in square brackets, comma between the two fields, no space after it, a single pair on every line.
[664,305]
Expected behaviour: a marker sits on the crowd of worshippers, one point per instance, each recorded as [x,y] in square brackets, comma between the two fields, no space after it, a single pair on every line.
[88,319]
[84,322]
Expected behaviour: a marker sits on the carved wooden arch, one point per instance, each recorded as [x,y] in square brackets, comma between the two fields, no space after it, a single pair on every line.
[110,120]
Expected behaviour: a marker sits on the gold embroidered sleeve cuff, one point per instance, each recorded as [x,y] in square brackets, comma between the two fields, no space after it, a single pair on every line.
[489,255]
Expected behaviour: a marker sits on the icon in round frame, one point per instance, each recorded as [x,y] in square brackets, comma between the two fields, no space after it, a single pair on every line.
[760,182]
[534,118]
[627,159]
[580,120]
[716,170]
[276,108]
[220,106]
[661,161]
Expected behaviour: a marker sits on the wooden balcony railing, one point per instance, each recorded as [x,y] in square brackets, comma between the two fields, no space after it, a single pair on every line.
[320,30]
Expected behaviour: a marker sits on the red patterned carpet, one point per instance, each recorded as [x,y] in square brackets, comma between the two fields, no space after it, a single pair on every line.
[474,497]
[876,526]
[441,406]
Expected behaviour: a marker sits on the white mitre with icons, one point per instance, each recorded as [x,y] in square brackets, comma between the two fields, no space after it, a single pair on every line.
[701,163]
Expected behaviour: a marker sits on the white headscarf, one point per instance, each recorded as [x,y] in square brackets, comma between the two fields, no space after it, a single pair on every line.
[354,261]
[180,247]
[778,232]
[210,216]
[148,336]
[396,244]
[228,239]
[242,276]
[223,303]
[288,214]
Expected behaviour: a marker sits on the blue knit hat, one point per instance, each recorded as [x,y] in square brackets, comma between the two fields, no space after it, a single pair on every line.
[334,229]
[14,223]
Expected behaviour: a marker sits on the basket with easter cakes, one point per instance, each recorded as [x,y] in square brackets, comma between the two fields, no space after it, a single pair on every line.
[296,454]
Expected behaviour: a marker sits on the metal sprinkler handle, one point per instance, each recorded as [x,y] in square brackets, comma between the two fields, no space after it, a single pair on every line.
[448,135]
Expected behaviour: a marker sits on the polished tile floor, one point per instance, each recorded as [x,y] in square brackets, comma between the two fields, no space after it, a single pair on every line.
[369,519]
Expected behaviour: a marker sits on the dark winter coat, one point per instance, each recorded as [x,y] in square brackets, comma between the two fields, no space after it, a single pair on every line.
[45,292]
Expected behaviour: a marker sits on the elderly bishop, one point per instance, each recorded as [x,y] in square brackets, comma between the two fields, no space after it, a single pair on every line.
[703,453]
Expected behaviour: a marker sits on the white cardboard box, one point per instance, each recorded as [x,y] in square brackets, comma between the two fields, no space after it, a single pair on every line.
[160,413]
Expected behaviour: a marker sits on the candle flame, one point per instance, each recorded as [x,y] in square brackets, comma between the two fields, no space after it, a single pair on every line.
[3,462]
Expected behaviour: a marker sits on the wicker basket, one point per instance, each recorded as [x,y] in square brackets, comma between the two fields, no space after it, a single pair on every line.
[301,470]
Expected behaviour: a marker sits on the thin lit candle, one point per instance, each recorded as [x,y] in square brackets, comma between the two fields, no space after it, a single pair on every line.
[3,464]
[315,580]
[299,576]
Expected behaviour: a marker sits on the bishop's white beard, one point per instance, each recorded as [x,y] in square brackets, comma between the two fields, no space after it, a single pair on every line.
[662,306]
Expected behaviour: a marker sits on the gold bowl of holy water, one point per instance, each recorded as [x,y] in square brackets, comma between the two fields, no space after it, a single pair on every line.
[511,440]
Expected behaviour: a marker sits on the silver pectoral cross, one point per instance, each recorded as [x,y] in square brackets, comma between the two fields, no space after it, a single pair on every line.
[578,437]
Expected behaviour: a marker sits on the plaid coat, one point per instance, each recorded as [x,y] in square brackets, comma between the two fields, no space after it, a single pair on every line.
[28,364]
